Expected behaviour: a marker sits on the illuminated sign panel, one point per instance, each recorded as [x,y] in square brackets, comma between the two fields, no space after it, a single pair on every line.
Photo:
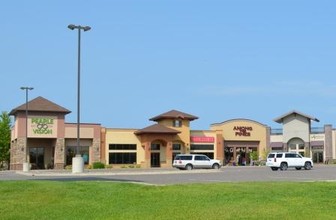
[202,139]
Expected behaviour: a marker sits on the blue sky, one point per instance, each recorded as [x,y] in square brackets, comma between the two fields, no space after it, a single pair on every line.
[218,60]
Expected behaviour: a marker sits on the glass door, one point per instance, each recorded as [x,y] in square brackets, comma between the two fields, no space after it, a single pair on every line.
[36,157]
[155,159]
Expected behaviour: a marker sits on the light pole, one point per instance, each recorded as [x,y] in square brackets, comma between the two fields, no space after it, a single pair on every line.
[78,162]
[25,164]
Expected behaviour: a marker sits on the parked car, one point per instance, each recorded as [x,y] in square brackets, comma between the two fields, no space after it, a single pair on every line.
[284,160]
[195,161]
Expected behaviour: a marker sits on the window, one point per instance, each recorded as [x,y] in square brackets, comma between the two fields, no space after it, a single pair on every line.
[201,147]
[122,146]
[208,154]
[155,146]
[201,157]
[70,152]
[122,158]
[290,155]
[176,146]
[177,123]
[271,155]
[181,157]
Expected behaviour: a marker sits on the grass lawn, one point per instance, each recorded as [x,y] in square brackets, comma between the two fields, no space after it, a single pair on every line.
[110,200]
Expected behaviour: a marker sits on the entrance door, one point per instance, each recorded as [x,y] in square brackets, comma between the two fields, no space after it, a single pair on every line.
[318,157]
[36,157]
[155,159]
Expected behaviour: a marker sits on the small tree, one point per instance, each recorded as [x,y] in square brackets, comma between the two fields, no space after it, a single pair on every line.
[5,136]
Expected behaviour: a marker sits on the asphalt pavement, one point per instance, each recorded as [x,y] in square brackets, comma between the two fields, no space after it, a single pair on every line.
[161,176]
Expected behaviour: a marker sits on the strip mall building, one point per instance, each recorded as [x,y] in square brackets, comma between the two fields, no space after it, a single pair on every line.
[51,142]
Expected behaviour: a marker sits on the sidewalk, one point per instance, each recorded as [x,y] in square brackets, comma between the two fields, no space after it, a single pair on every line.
[112,172]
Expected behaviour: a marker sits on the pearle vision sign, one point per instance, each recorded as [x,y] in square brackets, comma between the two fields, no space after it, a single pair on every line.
[42,126]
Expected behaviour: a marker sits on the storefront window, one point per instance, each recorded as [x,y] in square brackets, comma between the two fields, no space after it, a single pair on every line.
[122,158]
[201,147]
[71,152]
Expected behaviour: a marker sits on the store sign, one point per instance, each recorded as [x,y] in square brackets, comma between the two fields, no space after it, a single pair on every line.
[243,130]
[42,126]
[202,139]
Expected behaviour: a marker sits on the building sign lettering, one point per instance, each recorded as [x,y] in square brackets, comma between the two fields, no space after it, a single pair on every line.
[243,130]
[42,125]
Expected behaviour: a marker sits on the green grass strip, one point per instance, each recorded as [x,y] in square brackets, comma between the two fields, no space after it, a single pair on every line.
[110,200]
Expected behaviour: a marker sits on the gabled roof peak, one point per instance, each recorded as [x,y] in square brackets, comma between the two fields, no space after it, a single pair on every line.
[40,104]
[156,129]
[294,112]
[174,114]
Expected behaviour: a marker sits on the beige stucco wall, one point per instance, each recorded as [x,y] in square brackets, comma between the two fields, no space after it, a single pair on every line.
[123,136]
[296,126]
[71,132]
[277,138]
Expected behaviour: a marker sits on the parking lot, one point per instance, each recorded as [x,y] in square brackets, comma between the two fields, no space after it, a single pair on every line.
[174,176]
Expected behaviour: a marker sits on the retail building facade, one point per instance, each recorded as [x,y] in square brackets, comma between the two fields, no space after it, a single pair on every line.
[51,142]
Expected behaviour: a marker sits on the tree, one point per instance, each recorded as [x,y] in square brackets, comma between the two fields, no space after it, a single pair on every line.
[5,138]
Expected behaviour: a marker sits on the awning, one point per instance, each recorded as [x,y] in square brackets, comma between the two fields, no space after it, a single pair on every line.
[316,143]
[276,144]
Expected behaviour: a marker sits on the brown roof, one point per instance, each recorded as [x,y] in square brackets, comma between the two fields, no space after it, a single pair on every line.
[40,104]
[157,129]
[173,114]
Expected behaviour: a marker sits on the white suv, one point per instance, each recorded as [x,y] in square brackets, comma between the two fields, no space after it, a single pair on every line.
[283,160]
[191,161]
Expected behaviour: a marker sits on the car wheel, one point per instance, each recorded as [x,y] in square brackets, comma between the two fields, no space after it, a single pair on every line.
[307,166]
[298,168]
[274,168]
[215,166]
[189,167]
[283,166]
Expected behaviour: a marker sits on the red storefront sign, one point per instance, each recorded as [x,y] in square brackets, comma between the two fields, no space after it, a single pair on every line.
[202,139]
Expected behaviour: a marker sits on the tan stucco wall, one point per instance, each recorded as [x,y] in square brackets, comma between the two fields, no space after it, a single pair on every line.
[184,136]
[255,131]
[86,131]
[123,136]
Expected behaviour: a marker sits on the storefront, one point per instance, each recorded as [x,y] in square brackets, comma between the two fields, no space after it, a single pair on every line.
[52,143]
[244,141]
[152,146]
[46,141]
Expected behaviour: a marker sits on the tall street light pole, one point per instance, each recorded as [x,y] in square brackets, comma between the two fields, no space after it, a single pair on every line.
[25,164]
[78,162]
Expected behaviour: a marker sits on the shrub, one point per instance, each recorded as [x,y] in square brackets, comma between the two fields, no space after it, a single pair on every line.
[98,165]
